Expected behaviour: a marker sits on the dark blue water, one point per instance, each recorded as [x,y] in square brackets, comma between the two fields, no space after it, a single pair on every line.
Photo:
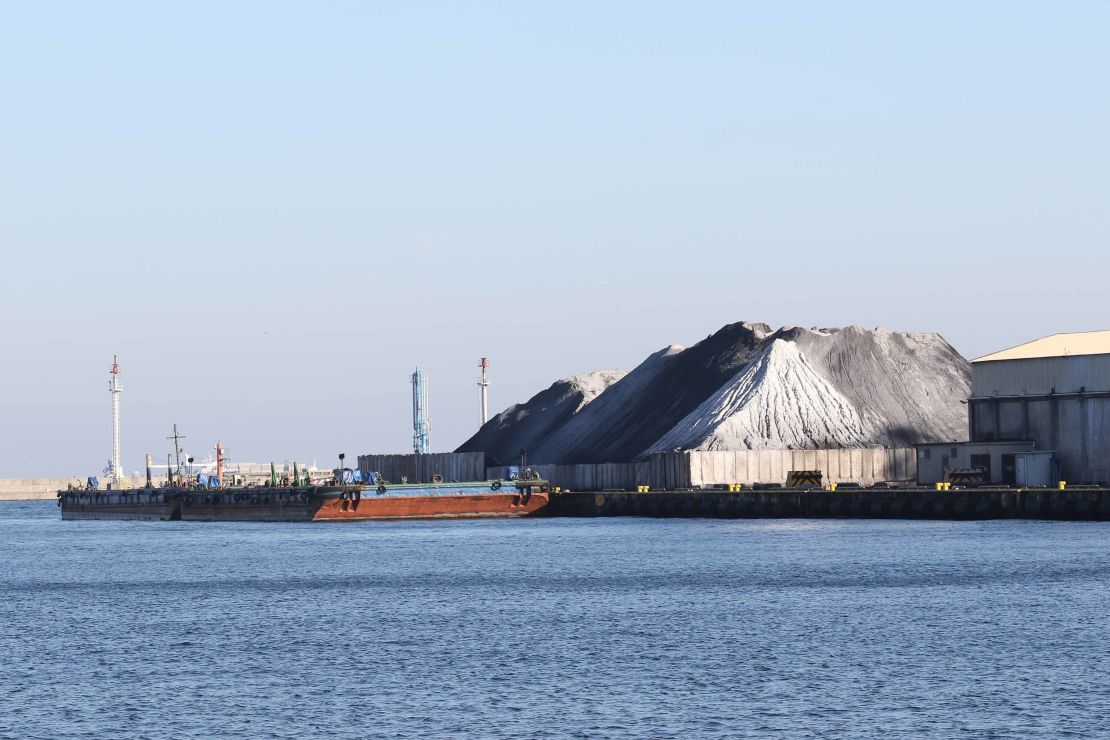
[617,627]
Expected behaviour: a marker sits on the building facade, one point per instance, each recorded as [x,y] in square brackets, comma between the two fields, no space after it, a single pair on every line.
[1053,392]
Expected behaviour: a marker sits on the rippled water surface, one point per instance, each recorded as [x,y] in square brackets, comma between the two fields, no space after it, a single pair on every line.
[614,627]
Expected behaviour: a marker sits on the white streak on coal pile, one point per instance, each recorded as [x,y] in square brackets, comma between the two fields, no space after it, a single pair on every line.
[778,401]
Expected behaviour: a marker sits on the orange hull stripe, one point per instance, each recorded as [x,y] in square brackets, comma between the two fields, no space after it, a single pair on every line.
[432,507]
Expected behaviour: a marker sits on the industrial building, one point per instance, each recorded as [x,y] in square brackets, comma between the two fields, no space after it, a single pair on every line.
[1052,394]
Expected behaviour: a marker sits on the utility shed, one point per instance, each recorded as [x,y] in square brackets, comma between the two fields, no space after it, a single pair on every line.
[1053,391]
[998,459]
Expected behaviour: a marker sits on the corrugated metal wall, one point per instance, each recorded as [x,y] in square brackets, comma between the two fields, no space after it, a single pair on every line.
[1041,376]
[1076,427]
[453,466]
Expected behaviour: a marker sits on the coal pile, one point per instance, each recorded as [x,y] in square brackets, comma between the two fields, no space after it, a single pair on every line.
[747,387]
[527,426]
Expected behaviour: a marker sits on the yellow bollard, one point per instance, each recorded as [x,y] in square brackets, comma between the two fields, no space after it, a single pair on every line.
[832,486]
[1063,484]
[940,486]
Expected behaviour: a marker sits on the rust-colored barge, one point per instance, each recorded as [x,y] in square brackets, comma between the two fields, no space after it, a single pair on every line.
[312,503]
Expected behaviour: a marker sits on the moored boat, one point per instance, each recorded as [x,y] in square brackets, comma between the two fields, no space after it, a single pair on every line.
[312,503]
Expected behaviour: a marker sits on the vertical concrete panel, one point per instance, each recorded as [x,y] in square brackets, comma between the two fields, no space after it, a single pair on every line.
[811,460]
[770,464]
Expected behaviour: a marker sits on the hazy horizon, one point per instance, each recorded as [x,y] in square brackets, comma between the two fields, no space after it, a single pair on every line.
[272,212]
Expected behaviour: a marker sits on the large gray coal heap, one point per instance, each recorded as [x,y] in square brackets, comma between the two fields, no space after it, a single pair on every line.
[746,387]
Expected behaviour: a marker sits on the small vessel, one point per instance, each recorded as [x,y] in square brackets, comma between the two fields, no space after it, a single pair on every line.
[357,502]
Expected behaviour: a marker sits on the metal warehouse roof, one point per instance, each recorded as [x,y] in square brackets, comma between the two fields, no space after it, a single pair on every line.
[1058,345]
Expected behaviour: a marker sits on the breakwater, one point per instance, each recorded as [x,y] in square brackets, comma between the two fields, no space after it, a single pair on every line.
[1091,504]
[31,489]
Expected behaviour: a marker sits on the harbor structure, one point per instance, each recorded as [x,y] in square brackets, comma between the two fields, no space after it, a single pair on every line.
[115,388]
[1053,392]
[421,422]
[483,392]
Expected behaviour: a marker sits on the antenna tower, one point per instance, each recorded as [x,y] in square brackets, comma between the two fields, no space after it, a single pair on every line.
[421,423]
[177,449]
[483,391]
[115,388]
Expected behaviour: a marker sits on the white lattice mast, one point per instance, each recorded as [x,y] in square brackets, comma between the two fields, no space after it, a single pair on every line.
[115,388]
[421,422]
[483,391]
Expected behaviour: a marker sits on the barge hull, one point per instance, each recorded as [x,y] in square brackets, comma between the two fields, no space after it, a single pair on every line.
[483,505]
[112,506]
[258,505]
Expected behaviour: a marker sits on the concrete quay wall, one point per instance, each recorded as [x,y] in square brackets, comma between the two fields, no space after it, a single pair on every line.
[1073,504]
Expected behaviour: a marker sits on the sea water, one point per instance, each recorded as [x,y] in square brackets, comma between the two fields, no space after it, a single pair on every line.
[552,628]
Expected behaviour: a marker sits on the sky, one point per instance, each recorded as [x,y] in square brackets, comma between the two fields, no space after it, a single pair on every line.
[272,212]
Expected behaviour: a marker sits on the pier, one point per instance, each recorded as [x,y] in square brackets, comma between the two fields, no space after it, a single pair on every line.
[1077,504]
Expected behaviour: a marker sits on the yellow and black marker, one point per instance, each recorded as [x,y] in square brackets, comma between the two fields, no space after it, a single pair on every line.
[966,477]
[804,479]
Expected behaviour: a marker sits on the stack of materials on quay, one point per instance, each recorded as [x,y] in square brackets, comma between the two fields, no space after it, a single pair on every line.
[746,387]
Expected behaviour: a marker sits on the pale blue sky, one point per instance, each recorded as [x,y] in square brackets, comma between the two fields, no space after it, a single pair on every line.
[273,211]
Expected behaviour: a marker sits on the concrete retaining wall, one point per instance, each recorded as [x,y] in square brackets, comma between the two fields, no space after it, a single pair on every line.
[453,466]
[671,470]
[1089,505]
[864,466]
